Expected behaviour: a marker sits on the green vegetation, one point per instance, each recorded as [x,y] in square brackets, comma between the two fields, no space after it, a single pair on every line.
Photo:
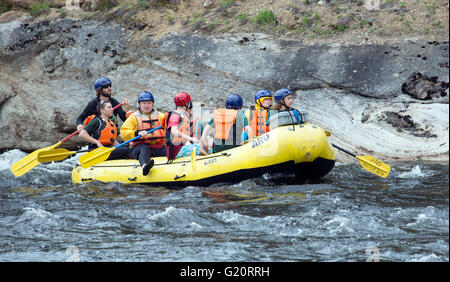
[341,28]
[145,4]
[4,6]
[196,19]
[304,17]
[316,16]
[226,3]
[39,8]
[170,19]
[242,18]
[103,5]
[266,17]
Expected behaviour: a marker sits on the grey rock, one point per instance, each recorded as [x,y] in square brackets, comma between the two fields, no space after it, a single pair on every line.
[47,71]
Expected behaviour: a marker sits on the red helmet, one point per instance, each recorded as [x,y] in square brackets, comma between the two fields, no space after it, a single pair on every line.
[182,99]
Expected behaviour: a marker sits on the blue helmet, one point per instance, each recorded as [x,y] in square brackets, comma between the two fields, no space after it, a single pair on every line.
[234,101]
[281,94]
[145,96]
[262,94]
[102,82]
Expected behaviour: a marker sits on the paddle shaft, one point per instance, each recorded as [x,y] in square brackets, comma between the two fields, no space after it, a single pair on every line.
[343,150]
[370,163]
[137,137]
[74,133]
[102,153]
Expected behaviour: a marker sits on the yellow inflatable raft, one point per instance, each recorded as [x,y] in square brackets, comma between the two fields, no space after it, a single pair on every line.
[302,149]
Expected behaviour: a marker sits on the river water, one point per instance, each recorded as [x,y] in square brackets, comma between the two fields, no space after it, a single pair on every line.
[349,215]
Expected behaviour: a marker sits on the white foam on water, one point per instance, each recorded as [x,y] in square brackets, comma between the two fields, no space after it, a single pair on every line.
[338,224]
[425,214]
[169,211]
[40,216]
[415,172]
[8,158]
[179,218]
[231,216]
[428,258]
[195,226]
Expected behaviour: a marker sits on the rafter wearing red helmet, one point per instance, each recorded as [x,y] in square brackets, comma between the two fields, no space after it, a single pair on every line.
[178,127]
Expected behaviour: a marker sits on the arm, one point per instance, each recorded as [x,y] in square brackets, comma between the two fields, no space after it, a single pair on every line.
[86,137]
[90,109]
[247,126]
[119,111]
[204,141]
[91,127]
[175,132]
[129,128]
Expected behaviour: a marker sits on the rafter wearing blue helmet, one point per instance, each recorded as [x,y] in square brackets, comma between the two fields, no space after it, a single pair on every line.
[263,99]
[103,91]
[229,124]
[283,99]
[137,124]
[283,102]
[258,114]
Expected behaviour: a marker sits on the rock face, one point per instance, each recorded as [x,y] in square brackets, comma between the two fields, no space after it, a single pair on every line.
[47,71]
[422,87]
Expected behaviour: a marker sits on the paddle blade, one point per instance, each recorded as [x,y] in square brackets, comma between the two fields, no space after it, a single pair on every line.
[28,162]
[95,157]
[54,155]
[25,164]
[374,165]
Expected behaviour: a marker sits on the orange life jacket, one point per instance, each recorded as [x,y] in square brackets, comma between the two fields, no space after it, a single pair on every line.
[106,132]
[109,134]
[129,113]
[145,122]
[257,121]
[184,127]
[88,119]
[224,119]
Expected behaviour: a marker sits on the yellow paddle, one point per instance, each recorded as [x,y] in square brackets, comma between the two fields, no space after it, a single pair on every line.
[370,163]
[56,155]
[28,162]
[102,153]
[25,164]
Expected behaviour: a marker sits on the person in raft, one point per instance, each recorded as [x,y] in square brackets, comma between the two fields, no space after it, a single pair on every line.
[137,124]
[178,128]
[102,131]
[103,90]
[284,99]
[259,113]
[229,123]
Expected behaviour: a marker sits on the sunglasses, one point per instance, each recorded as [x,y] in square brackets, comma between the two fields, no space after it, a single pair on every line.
[106,86]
